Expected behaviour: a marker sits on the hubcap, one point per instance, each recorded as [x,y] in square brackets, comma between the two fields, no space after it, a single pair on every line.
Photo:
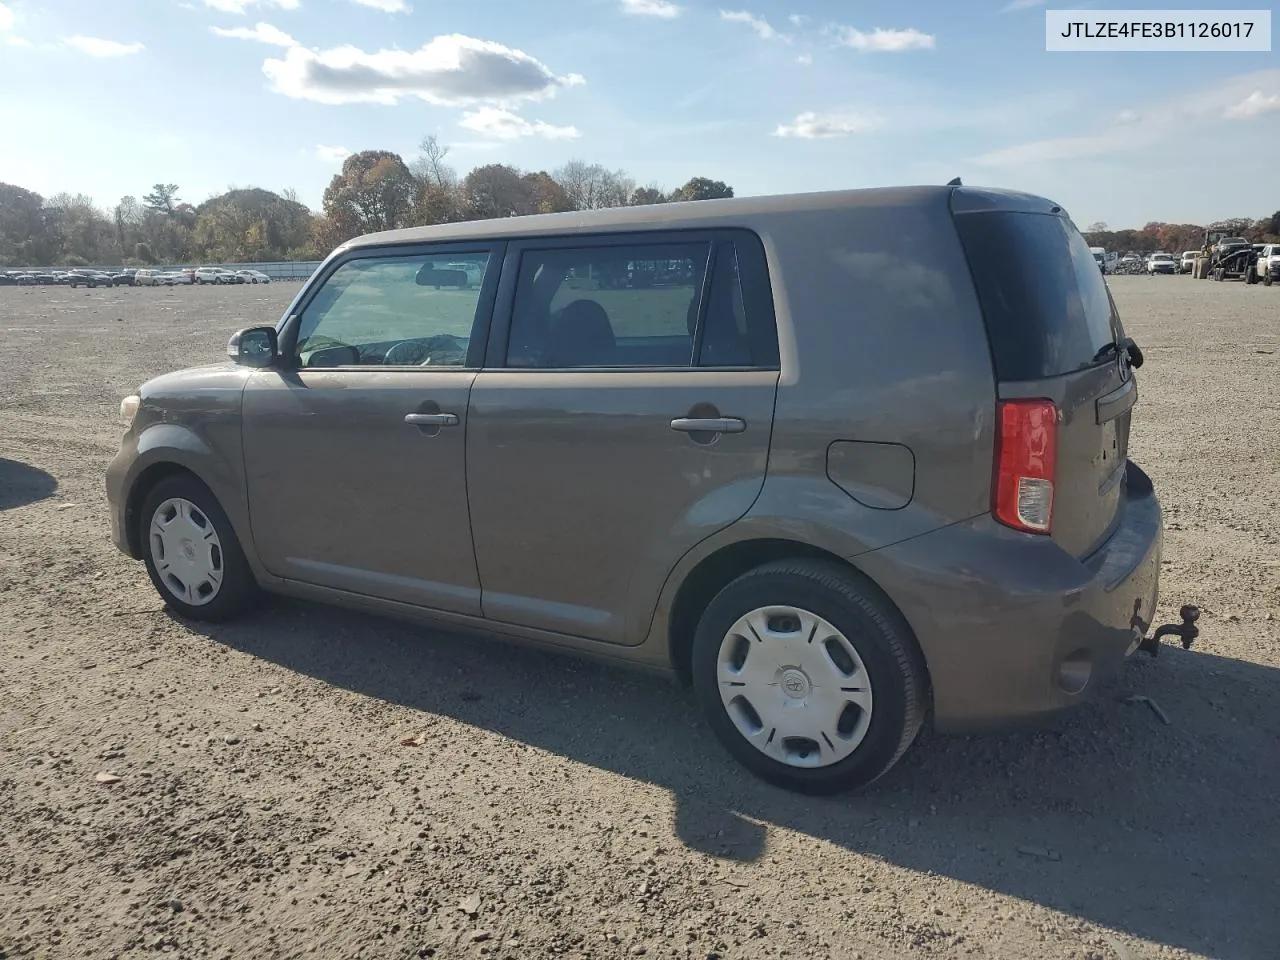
[794,686]
[186,551]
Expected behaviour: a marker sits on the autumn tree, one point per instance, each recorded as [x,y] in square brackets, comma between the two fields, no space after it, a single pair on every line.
[545,194]
[249,225]
[375,191]
[589,186]
[700,188]
[430,166]
[643,196]
[25,237]
[83,232]
[496,190]
[163,198]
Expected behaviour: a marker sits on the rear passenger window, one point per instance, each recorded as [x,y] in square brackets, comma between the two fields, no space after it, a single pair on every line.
[607,306]
[679,304]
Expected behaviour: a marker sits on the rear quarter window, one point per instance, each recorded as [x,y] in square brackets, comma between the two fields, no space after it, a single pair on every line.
[1045,303]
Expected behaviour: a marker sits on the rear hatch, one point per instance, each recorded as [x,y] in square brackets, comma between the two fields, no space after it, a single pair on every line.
[1053,330]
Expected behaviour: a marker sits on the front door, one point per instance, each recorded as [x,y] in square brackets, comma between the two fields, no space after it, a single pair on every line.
[623,415]
[355,452]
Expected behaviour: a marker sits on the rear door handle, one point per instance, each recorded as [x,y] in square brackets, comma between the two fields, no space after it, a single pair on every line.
[432,419]
[709,425]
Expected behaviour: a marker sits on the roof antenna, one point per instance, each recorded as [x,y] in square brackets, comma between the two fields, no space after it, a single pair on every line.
[954,183]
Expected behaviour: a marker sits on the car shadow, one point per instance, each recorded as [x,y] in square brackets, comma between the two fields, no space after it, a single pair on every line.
[21,483]
[1166,832]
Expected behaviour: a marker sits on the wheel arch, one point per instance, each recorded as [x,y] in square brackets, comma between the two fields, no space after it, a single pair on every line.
[718,569]
[142,486]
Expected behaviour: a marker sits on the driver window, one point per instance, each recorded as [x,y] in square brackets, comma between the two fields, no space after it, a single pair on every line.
[403,311]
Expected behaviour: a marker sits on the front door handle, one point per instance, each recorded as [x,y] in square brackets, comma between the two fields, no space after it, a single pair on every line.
[432,419]
[709,425]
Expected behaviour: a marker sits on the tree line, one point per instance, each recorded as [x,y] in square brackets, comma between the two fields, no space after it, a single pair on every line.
[375,190]
[1177,237]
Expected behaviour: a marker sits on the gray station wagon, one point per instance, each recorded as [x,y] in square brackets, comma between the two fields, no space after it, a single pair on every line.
[846,463]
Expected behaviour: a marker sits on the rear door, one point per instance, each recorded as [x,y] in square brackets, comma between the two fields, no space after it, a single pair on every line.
[623,415]
[1051,322]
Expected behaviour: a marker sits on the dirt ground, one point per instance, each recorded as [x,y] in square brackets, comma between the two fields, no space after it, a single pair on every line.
[557,809]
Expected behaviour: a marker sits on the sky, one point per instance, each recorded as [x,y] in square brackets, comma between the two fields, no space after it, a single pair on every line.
[771,96]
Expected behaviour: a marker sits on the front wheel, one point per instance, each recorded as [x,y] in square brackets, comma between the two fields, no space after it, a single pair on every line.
[809,676]
[191,551]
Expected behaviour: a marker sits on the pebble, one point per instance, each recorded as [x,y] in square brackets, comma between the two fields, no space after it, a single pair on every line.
[230,740]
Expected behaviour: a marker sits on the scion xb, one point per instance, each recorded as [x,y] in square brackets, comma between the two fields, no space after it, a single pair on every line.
[765,446]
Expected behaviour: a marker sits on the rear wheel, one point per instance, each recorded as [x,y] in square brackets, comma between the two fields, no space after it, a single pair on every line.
[191,552]
[809,676]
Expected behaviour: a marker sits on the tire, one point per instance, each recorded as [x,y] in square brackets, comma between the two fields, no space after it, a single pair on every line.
[888,661]
[237,590]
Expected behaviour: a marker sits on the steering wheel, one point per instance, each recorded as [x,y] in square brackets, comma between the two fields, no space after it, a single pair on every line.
[422,352]
[407,353]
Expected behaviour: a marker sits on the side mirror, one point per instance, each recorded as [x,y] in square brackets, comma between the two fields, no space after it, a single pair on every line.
[254,347]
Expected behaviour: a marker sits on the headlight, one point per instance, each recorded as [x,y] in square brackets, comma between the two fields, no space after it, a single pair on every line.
[129,409]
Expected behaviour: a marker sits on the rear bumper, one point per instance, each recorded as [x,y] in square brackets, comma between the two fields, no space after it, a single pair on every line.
[1010,623]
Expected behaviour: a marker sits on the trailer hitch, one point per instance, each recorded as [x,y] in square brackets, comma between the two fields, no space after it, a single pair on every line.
[1187,630]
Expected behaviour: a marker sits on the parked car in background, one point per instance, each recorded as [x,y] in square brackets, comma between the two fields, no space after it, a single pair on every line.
[179,278]
[1269,263]
[991,580]
[8,279]
[215,275]
[1188,262]
[89,278]
[124,278]
[145,278]
[1162,263]
[253,276]
[1100,257]
[25,279]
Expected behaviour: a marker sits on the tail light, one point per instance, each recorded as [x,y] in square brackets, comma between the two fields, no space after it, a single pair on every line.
[1026,463]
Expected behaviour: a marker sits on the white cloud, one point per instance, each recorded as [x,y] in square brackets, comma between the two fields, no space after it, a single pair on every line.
[651,8]
[17,41]
[451,70]
[505,125]
[884,41]
[1021,5]
[1254,105]
[332,154]
[241,6]
[759,24]
[386,6]
[97,47]
[805,59]
[261,32]
[7,18]
[1172,120]
[798,19]
[814,126]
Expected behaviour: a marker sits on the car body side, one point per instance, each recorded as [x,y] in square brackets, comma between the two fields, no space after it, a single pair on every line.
[880,457]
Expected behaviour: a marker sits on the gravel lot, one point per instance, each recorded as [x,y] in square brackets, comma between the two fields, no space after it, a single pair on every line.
[266,806]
